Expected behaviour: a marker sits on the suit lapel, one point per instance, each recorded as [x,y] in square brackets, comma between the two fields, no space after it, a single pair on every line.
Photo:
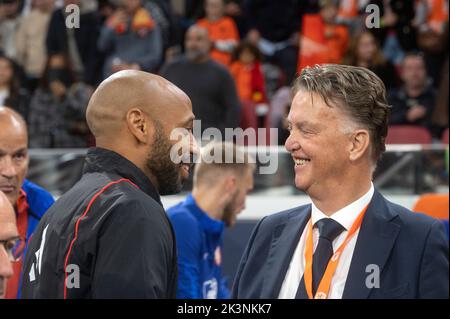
[285,238]
[376,238]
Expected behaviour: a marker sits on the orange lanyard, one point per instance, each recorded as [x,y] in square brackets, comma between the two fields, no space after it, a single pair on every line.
[325,282]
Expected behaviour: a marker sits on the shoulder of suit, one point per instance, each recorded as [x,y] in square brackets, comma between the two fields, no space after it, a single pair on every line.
[408,218]
[283,216]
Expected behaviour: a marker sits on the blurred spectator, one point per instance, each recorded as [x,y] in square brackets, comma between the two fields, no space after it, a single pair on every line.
[365,52]
[30,201]
[439,118]
[131,39]
[397,34]
[322,39]
[250,84]
[274,27]
[432,24]
[186,12]
[233,9]
[11,93]
[350,14]
[413,102]
[280,105]
[57,109]
[222,31]
[208,83]
[79,44]
[30,41]
[161,11]
[9,24]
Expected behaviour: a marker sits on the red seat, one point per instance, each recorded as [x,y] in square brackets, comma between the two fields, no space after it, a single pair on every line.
[445,136]
[408,134]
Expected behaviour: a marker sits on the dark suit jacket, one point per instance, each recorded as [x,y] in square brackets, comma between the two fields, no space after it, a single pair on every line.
[410,249]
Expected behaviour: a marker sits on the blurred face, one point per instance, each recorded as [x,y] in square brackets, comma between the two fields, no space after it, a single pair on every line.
[214,9]
[170,175]
[366,47]
[131,5]
[45,5]
[76,2]
[414,73]
[13,157]
[8,231]
[197,44]
[328,13]
[6,72]
[317,144]
[10,10]
[247,57]
[244,185]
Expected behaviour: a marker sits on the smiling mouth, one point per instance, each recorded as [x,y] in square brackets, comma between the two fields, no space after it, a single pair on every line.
[301,161]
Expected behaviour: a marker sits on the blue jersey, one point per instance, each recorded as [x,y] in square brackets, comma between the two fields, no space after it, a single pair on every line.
[199,244]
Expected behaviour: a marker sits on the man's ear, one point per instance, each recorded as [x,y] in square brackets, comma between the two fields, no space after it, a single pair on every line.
[139,125]
[230,184]
[360,142]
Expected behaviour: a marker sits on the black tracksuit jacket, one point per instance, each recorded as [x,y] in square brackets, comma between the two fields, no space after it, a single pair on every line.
[107,237]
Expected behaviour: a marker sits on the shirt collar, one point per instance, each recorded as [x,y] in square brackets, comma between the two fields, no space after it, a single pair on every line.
[103,160]
[22,203]
[208,224]
[347,215]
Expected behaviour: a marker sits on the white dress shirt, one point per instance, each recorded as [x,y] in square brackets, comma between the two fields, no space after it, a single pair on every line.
[345,216]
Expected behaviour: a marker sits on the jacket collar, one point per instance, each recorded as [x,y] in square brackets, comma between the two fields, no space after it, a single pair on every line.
[209,225]
[377,236]
[102,160]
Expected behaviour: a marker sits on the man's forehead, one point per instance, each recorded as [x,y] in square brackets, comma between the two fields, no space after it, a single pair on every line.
[11,143]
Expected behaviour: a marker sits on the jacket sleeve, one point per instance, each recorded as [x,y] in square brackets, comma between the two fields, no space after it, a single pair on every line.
[434,270]
[188,235]
[134,254]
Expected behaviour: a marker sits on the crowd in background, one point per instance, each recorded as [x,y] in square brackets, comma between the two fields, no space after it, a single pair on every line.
[236,63]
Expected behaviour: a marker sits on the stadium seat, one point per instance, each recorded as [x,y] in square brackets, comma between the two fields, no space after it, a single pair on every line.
[408,134]
[434,205]
[445,136]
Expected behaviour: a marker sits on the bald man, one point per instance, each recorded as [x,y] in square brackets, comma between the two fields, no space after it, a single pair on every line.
[8,237]
[109,236]
[30,202]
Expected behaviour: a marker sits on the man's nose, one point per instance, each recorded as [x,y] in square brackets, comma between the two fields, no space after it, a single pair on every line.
[292,144]
[6,269]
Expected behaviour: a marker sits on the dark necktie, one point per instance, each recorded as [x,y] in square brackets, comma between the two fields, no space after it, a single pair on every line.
[329,229]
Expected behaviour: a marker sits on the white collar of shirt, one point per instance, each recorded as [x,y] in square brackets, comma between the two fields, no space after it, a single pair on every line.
[347,215]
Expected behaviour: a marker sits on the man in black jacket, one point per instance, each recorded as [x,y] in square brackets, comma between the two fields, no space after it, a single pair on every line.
[108,236]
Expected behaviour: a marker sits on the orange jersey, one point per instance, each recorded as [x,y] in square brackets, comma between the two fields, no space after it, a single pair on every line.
[242,75]
[438,14]
[336,43]
[223,29]
[348,9]
[321,43]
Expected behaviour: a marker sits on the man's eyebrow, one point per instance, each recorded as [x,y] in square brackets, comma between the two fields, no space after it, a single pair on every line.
[188,121]
[21,150]
[305,124]
[13,237]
